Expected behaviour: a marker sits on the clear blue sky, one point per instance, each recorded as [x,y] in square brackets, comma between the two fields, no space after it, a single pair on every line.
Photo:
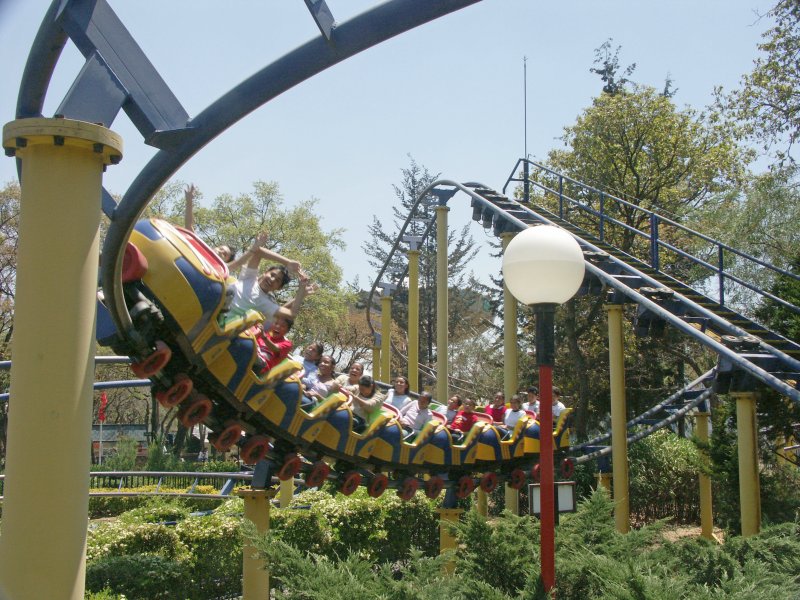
[449,93]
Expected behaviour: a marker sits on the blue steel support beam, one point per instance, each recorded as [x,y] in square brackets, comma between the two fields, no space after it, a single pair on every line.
[322,17]
[353,36]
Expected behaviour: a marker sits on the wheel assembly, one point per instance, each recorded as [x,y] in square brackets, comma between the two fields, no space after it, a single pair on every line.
[194,411]
[433,487]
[254,449]
[567,468]
[408,487]
[318,474]
[290,467]
[178,392]
[377,485]
[154,362]
[350,482]
[488,483]
[225,439]
[465,486]
[517,479]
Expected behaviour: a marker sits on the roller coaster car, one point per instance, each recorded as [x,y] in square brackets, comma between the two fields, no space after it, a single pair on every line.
[182,291]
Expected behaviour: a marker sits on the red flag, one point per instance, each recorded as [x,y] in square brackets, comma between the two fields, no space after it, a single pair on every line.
[101,413]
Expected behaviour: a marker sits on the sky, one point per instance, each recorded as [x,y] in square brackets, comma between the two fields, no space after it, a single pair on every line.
[452,93]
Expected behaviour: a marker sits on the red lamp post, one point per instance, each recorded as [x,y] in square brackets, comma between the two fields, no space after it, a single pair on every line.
[543,266]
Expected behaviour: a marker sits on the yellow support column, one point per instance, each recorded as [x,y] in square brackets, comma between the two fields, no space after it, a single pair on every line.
[619,440]
[510,361]
[441,304]
[749,485]
[482,505]
[706,510]
[50,410]
[447,540]
[413,320]
[604,481]
[286,492]
[255,576]
[376,358]
[386,337]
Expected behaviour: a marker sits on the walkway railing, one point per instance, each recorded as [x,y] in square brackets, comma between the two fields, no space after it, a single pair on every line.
[716,257]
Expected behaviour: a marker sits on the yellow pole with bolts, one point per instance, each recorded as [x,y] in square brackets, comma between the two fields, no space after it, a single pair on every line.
[510,362]
[706,507]
[749,485]
[619,432]
[50,410]
[376,359]
[386,337]
[441,304]
[447,540]
[255,576]
[413,320]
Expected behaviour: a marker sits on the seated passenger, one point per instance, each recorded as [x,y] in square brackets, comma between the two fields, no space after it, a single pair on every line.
[349,381]
[415,414]
[398,395]
[533,400]
[453,406]
[463,421]
[273,346]
[497,409]
[366,403]
[514,413]
[558,406]
[312,354]
[324,383]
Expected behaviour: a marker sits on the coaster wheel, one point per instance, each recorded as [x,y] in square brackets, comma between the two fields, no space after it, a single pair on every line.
[350,482]
[465,486]
[536,473]
[290,467]
[488,483]
[254,449]
[517,479]
[178,392]
[154,362]
[225,439]
[408,488]
[318,474]
[194,411]
[567,468]
[134,264]
[433,487]
[377,485]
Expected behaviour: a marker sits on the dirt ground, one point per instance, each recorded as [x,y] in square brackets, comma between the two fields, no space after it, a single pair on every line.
[677,532]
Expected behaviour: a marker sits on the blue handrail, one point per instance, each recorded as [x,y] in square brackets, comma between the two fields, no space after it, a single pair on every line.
[656,221]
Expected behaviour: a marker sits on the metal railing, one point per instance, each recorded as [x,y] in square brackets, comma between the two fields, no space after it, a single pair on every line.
[601,210]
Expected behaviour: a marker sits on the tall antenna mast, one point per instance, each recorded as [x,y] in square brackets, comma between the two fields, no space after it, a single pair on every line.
[525,101]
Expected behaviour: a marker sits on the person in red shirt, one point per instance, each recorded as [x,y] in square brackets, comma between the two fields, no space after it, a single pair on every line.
[273,346]
[463,421]
[497,409]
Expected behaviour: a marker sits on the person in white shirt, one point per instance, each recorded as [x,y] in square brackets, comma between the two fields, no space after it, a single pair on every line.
[514,413]
[398,395]
[533,400]
[414,415]
[558,406]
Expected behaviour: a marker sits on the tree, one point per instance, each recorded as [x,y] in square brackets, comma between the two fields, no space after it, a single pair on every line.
[608,68]
[638,146]
[461,249]
[766,108]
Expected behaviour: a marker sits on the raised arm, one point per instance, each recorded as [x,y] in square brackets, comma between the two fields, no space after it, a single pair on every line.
[302,291]
[259,252]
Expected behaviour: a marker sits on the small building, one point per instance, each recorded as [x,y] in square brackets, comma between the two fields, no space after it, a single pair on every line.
[113,432]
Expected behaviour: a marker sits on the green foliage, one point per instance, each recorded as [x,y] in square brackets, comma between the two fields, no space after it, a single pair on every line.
[215,545]
[120,539]
[137,577]
[157,510]
[663,477]
[112,506]
[160,460]
[382,530]
[124,459]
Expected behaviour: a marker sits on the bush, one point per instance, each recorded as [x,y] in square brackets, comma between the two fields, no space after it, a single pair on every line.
[120,539]
[215,545]
[112,506]
[157,510]
[138,576]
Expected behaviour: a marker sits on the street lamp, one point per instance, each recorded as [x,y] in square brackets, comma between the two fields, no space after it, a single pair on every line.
[543,267]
